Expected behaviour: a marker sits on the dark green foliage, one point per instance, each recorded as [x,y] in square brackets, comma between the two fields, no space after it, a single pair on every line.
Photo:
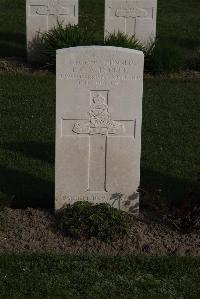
[64,37]
[152,199]
[194,62]
[186,217]
[84,219]
[160,57]
[120,39]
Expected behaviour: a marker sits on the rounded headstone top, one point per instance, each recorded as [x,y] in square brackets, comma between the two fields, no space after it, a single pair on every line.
[93,48]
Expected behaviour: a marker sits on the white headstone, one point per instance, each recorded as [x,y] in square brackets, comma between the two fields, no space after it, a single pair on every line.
[132,17]
[42,15]
[98,126]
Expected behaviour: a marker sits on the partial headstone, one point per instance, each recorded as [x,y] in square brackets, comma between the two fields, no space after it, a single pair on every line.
[132,17]
[98,126]
[42,15]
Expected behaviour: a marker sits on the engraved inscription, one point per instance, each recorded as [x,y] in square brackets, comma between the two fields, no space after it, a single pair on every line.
[131,12]
[52,8]
[100,121]
[99,197]
[101,72]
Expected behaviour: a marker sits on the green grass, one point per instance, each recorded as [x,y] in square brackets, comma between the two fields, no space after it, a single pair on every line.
[91,14]
[27,138]
[78,276]
[178,22]
[12,28]
[170,143]
[178,27]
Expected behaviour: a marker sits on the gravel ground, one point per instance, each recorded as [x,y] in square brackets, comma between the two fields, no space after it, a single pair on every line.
[34,230]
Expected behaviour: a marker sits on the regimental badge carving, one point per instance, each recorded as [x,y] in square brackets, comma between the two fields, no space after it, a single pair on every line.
[100,121]
[131,12]
[52,8]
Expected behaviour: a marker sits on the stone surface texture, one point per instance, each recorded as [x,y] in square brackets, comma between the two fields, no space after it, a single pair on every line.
[42,15]
[98,126]
[132,17]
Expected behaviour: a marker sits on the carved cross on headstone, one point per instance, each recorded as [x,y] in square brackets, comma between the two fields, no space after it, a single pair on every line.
[99,127]
[130,15]
[53,7]
[131,12]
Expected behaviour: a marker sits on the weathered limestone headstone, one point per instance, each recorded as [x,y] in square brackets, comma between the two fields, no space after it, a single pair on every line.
[98,126]
[42,15]
[132,17]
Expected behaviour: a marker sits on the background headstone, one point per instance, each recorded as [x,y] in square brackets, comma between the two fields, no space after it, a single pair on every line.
[98,126]
[42,15]
[133,17]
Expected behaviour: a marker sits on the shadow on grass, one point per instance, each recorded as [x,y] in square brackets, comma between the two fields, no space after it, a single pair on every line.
[12,44]
[26,190]
[29,190]
[185,42]
[174,191]
[36,150]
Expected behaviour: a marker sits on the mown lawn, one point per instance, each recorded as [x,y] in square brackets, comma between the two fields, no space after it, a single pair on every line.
[27,139]
[170,142]
[67,276]
[12,28]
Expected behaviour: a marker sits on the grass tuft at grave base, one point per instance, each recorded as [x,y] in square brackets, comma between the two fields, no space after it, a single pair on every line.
[100,221]
[89,276]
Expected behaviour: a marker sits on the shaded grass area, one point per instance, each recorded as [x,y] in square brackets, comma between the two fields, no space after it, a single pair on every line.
[81,276]
[170,143]
[178,29]
[27,139]
[12,28]
[91,14]
[179,22]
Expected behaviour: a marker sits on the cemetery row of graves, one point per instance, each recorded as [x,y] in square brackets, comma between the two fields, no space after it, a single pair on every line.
[101,85]
[101,123]
[117,126]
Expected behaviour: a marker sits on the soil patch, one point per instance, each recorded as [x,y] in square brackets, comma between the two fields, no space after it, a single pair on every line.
[32,230]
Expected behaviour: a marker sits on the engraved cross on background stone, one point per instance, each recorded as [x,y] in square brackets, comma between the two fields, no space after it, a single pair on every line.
[51,7]
[99,127]
[129,13]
